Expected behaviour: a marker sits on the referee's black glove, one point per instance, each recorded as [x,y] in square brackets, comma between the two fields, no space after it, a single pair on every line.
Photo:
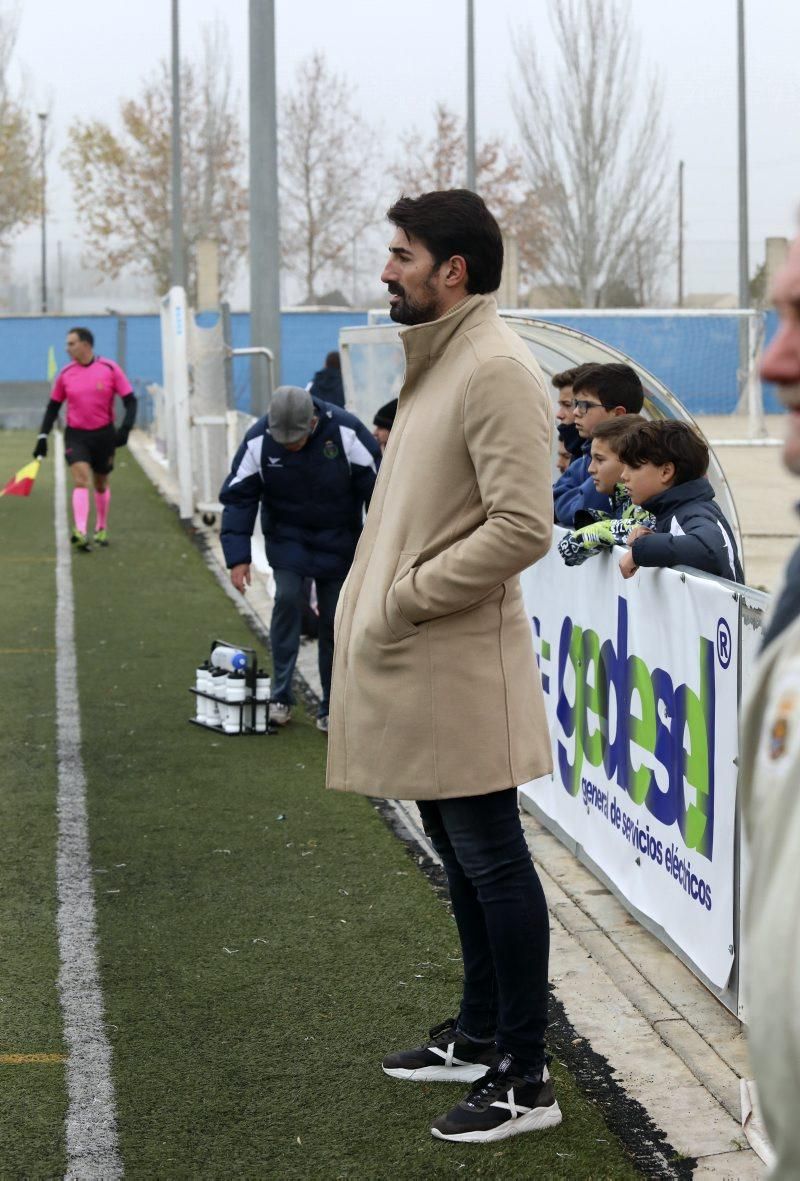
[40,450]
[122,437]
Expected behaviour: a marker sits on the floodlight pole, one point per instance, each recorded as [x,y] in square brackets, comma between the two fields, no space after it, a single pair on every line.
[680,234]
[43,128]
[265,307]
[471,95]
[178,255]
[744,264]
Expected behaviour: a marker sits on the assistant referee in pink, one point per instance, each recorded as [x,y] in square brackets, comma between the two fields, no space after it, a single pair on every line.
[88,385]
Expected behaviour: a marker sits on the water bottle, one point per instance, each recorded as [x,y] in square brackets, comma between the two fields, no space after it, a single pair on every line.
[219,687]
[202,683]
[262,697]
[230,659]
[234,698]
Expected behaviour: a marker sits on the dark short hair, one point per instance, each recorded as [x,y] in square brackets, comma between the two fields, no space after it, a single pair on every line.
[615,385]
[568,377]
[332,361]
[455,221]
[614,430]
[83,334]
[666,441]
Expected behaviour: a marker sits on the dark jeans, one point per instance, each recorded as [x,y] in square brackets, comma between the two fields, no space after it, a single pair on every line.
[284,633]
[502,919]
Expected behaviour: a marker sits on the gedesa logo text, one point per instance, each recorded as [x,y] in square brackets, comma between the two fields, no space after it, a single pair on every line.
[652,737]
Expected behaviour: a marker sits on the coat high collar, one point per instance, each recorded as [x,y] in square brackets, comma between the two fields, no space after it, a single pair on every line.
[423,342]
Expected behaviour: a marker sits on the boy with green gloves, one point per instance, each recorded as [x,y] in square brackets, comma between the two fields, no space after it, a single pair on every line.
[597,530]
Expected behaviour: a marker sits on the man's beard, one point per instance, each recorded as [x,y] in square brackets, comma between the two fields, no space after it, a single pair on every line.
[410,311]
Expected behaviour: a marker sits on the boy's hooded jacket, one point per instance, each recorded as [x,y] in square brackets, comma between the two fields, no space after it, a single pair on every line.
[691,530]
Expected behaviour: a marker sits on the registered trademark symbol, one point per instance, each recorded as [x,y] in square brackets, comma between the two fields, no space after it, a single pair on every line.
[724,643]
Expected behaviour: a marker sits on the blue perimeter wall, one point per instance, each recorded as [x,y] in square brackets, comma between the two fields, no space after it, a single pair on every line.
[695,357]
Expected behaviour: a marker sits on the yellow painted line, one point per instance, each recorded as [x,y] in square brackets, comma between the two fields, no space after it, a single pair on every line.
[26,651]
[24,1059]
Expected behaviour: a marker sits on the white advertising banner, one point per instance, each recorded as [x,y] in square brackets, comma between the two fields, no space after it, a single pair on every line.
[640,680]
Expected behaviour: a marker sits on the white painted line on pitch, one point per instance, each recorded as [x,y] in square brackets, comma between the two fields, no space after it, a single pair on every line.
[92,1149]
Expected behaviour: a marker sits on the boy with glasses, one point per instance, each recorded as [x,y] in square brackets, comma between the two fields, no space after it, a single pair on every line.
[600,393]
[568,436]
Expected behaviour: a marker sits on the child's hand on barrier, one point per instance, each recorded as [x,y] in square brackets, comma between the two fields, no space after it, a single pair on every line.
[639,531]
[627,566]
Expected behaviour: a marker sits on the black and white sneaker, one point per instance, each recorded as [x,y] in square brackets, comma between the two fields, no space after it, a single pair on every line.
[500,1105]
[447,1057]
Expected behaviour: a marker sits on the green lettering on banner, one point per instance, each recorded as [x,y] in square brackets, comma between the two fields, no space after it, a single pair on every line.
[594,743]
[642,730]
[697,759]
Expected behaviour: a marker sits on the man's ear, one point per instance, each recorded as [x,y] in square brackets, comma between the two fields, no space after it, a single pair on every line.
[455,271]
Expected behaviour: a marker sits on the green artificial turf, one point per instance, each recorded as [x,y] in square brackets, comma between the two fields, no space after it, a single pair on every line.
[262,942]
[32,1094]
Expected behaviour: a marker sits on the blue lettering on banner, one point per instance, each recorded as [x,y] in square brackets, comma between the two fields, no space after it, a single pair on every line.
[675,724]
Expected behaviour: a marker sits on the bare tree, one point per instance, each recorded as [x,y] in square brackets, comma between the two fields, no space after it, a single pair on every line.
[596,150]
[439,163]
[327,157]
[121,180]
[20,187]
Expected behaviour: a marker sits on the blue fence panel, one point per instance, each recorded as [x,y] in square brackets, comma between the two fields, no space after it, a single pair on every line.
[695,356]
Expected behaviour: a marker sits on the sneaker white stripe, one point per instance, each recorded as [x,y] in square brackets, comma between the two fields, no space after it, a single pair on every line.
[449,1057]
[515,1109]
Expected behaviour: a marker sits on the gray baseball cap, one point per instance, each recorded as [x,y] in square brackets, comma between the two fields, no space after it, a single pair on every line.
[290,413]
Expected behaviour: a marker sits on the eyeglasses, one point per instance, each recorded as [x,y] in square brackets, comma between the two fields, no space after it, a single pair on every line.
[583,406]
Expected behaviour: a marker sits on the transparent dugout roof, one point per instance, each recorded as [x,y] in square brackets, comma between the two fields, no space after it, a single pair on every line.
[373,363]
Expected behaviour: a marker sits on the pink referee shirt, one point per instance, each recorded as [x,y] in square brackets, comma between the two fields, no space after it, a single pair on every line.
[89,392]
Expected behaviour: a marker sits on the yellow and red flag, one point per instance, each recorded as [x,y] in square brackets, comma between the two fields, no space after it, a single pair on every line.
[22,483]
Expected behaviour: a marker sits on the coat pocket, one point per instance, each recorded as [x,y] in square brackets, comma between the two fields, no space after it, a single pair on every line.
[398,625]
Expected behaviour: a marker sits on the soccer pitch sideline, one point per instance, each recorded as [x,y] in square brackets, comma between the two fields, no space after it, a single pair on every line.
[261,942]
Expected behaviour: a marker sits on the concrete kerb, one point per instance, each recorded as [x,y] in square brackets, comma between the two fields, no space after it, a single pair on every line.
[669,1045]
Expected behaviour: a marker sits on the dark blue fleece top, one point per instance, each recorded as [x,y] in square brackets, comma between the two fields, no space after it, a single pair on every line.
[691,530]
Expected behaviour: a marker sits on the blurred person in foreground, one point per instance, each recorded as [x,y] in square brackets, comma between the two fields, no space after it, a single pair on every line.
[436,694]
[310,467]
[769,781]
[88,385]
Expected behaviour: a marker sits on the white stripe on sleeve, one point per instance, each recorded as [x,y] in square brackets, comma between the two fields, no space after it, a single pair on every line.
[251,461]
[355,450]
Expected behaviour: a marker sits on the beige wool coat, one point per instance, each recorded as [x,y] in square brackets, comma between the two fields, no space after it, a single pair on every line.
[435,687]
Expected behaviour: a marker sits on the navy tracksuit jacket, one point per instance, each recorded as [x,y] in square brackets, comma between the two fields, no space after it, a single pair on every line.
[311,500]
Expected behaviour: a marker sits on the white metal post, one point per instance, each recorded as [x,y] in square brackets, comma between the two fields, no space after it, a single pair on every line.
[180,391]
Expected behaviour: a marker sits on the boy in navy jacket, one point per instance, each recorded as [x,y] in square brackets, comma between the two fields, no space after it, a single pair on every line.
[664,470]
[599,392]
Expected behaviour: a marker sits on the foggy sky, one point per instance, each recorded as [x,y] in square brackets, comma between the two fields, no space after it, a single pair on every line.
[80,59]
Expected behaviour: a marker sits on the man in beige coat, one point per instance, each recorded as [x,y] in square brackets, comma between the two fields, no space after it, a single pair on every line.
[436,696]
[770,789]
